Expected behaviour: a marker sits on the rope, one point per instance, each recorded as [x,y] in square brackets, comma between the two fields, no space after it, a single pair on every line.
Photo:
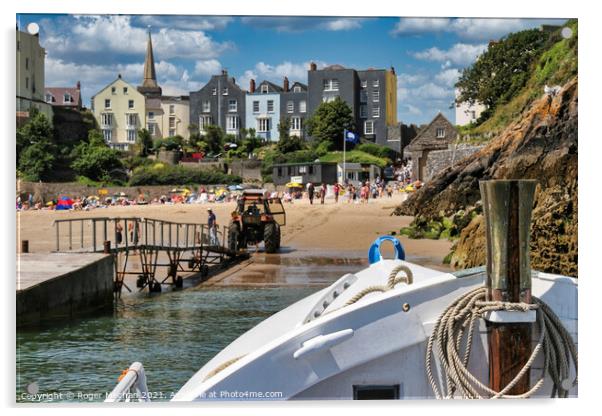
[222,366]
[456,325]
[392,281]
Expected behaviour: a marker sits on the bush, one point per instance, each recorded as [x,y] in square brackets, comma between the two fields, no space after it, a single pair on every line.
[95,159]
[160,174]
[375,150]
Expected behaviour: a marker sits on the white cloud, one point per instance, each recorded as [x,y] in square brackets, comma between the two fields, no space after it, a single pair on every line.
[185,22]
[431,91]
[207,67]
[468,28]
[448,77]
[410,79]
[459,54]
[276,73]
[115,35]
[301,23]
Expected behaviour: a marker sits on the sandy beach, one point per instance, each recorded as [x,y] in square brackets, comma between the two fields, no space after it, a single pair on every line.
[331,231]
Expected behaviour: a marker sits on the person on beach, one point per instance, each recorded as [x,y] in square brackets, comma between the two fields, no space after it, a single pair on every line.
[212,225]
[134,230]
[323,193]
[118,232]
[310,192]
[336,188]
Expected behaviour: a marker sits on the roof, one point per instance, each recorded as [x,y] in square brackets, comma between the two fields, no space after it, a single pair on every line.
[335,67]
[280,165]
[59,92]
[298,84]
[113,82]
[427,139]
[277,88]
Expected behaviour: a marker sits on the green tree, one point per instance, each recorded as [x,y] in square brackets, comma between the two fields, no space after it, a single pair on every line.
[286,142]
[94,159]
[36,151]
[144,143]
[214,137]
[329,121]
[502,70]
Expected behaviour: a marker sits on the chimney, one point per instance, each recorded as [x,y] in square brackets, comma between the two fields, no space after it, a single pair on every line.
[392,69]
[285,84]
[313,66]
[252,86]
[224,72]
[78,85]
[119,76]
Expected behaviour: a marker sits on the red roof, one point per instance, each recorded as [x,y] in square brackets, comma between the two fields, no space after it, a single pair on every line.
[57,95]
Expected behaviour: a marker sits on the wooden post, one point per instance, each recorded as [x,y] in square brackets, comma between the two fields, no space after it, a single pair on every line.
[507,207]
[107,247]
[24,246]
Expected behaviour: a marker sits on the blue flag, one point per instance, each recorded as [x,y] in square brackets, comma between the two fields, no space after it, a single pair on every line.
[352,137]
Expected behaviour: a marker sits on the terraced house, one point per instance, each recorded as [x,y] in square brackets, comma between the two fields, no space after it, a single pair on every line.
[221,102]
[371,94]
[293,106]
[263,109]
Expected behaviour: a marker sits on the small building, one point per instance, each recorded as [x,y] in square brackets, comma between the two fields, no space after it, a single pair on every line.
[263,110]
[64,97]
[315,172]
[467,113]
[437,135]
[357,173]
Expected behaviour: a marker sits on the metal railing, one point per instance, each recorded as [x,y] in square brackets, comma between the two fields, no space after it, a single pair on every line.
[131,387]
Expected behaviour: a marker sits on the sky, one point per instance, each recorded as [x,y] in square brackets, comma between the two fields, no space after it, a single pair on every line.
[428,54]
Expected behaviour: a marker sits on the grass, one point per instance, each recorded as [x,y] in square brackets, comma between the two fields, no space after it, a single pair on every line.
[355,156]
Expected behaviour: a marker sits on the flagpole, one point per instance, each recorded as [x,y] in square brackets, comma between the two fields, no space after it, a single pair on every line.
[344,150]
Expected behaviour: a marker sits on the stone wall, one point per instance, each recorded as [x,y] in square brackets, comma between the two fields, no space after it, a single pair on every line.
[438,160]
[248,170]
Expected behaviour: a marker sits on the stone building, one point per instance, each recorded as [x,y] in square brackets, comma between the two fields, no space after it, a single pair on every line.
[437,135]
[371,94]
[65,97]
[30,60]
[293,106]
[467,113]
[220,102]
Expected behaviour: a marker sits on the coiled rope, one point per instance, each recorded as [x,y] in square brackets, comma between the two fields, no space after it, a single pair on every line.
[392,281]
[456,327]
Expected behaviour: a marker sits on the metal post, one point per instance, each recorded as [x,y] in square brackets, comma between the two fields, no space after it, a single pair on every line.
[507,208]
[94,235]
[70,235]
[24,246]
[106,247]
[57,235]
[105,231]
[81,236]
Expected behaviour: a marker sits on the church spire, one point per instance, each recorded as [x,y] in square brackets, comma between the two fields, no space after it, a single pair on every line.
[149,83]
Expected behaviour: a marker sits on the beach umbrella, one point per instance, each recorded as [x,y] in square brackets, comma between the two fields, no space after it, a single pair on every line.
[294,185]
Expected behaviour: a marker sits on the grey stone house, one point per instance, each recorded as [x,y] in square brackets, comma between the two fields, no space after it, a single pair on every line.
[371,94]
[293,106]
[220,102]
[437,135]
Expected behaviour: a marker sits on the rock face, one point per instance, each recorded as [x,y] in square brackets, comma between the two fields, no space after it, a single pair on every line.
[542,145]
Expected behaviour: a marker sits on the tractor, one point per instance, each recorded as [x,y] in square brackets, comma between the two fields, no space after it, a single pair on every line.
[257,218]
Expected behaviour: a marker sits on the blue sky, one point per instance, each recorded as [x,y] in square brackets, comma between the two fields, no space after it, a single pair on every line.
[427,53]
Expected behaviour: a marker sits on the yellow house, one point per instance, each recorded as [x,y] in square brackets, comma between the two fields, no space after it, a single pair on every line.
[30,75]
[168,116]
[120,112]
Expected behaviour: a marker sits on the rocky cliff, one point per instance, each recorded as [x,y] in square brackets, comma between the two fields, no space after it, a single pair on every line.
[541,144]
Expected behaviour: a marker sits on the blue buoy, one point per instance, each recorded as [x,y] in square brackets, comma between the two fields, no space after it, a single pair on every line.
[374,252]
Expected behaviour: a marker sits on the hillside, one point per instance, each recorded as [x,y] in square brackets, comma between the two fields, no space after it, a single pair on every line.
[542,145]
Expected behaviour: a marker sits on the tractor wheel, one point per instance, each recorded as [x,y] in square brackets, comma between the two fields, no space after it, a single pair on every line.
[278,236]
[233,236]
[271,237]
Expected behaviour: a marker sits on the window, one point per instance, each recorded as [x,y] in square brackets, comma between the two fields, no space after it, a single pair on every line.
[225,91]
[172,132]
[290,107]
[172,123]
[263,124]
[375,83]
[131,135]
[473,115]
[311,169]
[172,109]
[49,98]
[296,88]
[206,106]
[331,84]
[368,127]
[107,103]
[108,135]
[270,106]
[27,82]
[204,121]
[440,132]
[130,104]
[232,123]
[264,88]
[363,96]
[375,96]
[364,84]
[302,169]
[113,89]
[329,98]
[26,63]
[130,120]
[296,123]
[214,91]
[363,111]
[390,392]
[256,106]
[106,119]
[302,106]
[279,171]
[151,115]
[151,128]
[232,106]
[376,111]
[125,90]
